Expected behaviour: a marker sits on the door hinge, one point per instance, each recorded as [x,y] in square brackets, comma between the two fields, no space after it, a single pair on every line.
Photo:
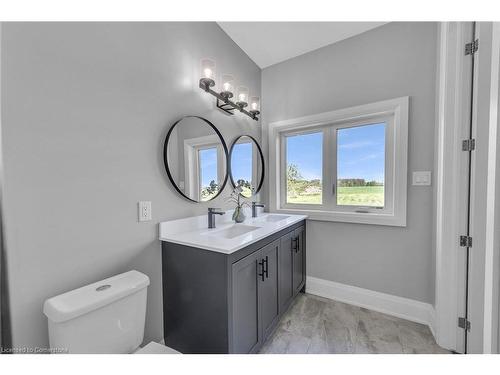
[472,47]
[468,144]
[465,241]
[464,323]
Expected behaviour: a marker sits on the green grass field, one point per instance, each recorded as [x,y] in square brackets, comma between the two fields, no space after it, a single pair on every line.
[351,196]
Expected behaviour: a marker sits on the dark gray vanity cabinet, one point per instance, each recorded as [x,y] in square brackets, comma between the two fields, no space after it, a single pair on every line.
[298,254]
[255,298]
[230,303]
[246,313]
[268,281]
[285,259]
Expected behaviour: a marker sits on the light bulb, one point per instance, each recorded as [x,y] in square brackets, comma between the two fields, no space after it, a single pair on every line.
[255,105]
[242,96]
[227,86]
[207,73]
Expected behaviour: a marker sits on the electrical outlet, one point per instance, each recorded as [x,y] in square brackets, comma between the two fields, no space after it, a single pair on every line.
[144,211]
[422,178]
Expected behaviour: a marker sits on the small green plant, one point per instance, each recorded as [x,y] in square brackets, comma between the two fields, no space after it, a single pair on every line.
[240,201]
[246,186]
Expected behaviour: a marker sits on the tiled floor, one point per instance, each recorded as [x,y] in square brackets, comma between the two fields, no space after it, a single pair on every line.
[318,325]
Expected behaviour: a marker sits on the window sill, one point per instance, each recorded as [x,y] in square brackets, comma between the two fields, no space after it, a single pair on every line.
[348,217]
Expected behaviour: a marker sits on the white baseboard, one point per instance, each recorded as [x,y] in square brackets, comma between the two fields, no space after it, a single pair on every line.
[400,307]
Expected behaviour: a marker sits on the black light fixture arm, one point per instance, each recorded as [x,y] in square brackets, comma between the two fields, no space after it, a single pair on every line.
[224,103]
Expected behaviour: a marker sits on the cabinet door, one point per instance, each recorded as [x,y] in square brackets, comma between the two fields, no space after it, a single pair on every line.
[269,308]
[298,251]
[246,333]
[285,286]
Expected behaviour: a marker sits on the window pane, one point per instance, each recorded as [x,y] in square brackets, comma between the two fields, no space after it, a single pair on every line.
[208,173]
[304,168]
[361,165]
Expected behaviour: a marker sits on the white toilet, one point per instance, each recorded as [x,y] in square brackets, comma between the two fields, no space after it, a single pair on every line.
[104,317]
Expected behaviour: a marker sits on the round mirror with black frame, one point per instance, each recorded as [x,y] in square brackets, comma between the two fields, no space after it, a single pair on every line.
[196,158]
[246,165]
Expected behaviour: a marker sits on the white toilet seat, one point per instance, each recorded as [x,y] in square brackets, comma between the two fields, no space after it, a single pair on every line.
[155,348]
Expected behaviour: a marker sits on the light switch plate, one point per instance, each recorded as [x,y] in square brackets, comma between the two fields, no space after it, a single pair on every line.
[144,210]
[422,178]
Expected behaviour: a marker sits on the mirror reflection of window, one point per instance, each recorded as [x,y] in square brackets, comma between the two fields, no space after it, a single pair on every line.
[204,170]
[247,165]
[196,159]
[207,169]
[242,167]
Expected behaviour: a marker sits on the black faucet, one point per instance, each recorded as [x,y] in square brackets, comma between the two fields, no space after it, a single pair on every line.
[254,208]
[211,217]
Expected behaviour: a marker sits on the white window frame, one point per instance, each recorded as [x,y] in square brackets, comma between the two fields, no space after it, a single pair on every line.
[395,113]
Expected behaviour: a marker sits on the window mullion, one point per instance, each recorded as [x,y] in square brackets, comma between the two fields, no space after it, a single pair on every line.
[327,169]
[333,161]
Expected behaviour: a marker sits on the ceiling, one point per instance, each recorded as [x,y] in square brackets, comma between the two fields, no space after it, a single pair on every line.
[268,43]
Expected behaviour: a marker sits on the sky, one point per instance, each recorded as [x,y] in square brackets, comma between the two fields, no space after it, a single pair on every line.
[360,153]
[208,165]
[305,151]
[241,162]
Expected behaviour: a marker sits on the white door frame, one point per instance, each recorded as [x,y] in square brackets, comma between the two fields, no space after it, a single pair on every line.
[485,184]
[452,123]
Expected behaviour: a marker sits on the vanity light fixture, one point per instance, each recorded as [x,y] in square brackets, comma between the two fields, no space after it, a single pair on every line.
[224,102]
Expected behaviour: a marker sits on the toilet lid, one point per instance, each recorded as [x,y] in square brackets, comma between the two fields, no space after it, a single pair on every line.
[155,348]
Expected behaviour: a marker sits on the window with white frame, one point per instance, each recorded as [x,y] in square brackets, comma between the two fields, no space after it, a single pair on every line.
[347,165]
[202,167]
[207,172]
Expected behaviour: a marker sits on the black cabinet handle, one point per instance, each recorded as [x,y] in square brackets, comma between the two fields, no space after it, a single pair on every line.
[261,263]
[295,244]
[267,267]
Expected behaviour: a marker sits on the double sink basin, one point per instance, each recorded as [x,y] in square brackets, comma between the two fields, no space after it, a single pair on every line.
[241,229]
[227,237]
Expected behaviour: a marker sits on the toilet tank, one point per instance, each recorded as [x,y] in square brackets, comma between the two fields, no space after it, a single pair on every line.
[104,317]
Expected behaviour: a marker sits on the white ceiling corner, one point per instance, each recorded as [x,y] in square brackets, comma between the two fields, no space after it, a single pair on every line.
[268,43]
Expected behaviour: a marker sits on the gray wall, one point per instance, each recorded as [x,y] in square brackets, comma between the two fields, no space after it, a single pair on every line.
[397,59]
[85,111]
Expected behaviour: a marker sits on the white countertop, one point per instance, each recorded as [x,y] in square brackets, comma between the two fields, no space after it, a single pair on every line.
[193,231]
